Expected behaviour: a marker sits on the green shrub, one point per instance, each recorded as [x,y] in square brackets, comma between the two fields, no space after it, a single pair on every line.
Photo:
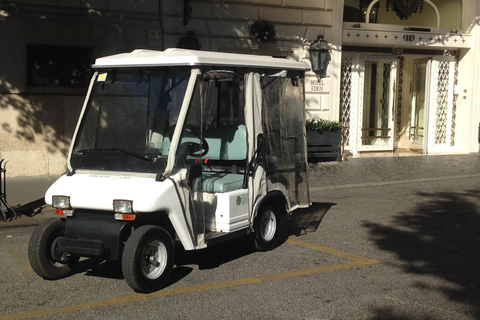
[320,125]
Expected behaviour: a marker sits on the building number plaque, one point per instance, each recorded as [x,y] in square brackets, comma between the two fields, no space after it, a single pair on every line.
[408,37]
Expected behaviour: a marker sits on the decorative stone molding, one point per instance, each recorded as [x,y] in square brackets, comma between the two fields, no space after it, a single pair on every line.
[387,36]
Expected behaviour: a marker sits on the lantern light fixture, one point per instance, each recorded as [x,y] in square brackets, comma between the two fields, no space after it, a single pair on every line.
[404,9]
[318,55]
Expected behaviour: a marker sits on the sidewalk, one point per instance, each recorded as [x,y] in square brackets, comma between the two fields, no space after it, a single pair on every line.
[357,171]
[26,193]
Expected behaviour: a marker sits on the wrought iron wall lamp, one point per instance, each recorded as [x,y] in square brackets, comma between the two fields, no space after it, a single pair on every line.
[318,55]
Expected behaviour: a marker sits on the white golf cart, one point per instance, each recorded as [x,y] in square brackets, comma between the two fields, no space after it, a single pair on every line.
[177,146]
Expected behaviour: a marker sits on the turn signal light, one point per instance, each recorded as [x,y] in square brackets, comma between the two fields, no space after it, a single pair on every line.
[124,217]
[62,212]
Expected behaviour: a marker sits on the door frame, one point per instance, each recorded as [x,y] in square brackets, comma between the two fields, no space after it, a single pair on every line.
[427,81]
[433,145]
[357,134]
[431,141]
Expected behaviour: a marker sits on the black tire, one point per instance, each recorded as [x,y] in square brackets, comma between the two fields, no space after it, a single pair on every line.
[268,225]
[148,258]
[45,258]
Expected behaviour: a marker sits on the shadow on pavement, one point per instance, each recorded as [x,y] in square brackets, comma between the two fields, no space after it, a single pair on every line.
[301,222]
[440,238]
[30,209]
[98,267]
[306,220]
[218,254]
[12,214]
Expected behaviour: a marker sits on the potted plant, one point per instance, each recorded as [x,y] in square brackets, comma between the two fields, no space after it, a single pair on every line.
[263,31]
[324,140]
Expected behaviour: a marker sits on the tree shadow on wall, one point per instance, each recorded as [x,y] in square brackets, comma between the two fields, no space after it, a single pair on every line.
[440,238]
[38,120]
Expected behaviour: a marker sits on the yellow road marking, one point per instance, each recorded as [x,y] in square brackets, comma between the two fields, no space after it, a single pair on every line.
[334,252]
[356,261]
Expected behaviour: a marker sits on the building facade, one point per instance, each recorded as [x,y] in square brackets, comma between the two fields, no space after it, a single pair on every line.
[395,84]
[409,84]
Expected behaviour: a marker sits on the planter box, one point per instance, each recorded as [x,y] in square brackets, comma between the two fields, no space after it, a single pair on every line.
[325,146]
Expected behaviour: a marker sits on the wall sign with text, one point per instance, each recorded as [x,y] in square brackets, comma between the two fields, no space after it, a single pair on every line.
[316,85]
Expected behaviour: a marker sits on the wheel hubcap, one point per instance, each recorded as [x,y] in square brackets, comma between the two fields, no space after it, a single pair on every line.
[154,259]
[268,225]
[57,257]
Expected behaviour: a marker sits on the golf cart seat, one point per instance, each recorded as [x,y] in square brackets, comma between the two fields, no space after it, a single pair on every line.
[227,144]
[228,150]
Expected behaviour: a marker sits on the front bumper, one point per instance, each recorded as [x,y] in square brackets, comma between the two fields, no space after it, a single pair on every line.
[94,234]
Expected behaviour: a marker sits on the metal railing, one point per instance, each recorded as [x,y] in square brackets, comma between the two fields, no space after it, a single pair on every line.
[7,212]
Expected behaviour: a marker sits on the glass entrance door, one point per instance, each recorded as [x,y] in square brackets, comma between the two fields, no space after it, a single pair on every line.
[433,105]
[418,132]
[376,132]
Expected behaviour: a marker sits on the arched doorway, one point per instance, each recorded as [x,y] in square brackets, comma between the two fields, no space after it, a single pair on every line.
[398,81]
[447,12]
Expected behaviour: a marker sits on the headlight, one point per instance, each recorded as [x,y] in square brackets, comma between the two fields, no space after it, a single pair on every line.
[61,202]
[122,206]
[123,210]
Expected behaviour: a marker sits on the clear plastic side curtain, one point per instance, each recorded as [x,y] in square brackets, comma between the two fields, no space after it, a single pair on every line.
[284,136]
[257,185]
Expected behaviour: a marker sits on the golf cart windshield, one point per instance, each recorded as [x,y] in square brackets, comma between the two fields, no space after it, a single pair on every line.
[129,113]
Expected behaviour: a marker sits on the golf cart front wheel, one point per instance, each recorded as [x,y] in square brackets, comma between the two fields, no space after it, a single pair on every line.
[44,254]
[148,258]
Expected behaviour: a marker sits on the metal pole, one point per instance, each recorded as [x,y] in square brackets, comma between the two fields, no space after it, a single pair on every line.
[8,213]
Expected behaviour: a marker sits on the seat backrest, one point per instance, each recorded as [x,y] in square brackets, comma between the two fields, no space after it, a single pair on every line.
[227,143]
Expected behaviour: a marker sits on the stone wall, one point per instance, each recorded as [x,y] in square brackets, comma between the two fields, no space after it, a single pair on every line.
[36,123]
[36,132]
[225,26]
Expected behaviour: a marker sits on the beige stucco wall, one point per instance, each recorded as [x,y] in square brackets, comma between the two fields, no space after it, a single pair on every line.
[225,26]
[468,89]
[467,116]
[36,132]
[36,124]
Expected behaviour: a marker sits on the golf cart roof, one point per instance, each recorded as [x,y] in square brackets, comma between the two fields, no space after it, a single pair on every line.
[183,57]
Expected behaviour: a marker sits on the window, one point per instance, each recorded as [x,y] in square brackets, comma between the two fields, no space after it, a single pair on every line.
[56,66]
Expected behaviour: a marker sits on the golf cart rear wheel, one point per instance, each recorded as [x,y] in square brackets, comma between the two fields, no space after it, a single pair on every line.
[148,258]
[43,252]
[267,228]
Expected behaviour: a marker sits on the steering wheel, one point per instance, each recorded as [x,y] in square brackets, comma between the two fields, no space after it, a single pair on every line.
[191,148]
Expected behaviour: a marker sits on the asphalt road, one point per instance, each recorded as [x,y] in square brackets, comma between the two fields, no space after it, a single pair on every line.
[397,249]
